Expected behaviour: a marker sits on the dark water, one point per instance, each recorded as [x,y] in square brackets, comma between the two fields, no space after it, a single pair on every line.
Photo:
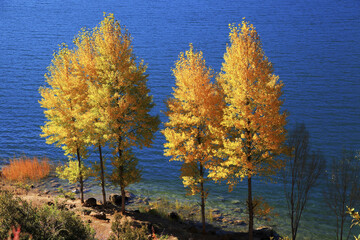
[312,44]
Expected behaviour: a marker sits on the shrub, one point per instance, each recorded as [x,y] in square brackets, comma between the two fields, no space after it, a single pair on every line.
[355,219]
[262,209]
[24,168]
[123,230]
[47,222]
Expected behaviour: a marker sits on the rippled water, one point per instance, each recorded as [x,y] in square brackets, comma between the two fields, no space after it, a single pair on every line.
[313,45]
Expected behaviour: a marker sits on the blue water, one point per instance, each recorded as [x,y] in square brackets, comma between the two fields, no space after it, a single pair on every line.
[312,44]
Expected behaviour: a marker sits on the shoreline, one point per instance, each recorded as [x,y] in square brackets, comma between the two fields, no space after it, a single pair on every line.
[158,213]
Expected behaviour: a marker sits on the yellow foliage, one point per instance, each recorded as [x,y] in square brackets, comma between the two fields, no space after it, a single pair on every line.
[194,114]
[119,100]
[65,104]
[355,219]
[70,172]
[253,124]
[97,94]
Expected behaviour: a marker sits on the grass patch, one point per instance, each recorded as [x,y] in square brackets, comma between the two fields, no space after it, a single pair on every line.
[123,229]
[42,223]
[26,169]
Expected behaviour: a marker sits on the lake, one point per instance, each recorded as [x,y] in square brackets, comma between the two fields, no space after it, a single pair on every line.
[313,46]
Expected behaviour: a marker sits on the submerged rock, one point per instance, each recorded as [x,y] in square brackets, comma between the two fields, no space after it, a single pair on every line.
[215,210]
[240,222]
[238,210]
[235,202]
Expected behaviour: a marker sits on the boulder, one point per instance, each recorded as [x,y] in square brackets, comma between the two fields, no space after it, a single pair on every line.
[174,216]
[115,199]
[129,195]
[86,211]
[75,190]
[101,215]
[265,233]
[90,202]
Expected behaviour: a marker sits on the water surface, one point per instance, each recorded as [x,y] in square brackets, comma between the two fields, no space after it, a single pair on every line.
[312,44]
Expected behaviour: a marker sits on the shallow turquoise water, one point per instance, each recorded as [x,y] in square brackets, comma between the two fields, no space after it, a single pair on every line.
[313,45]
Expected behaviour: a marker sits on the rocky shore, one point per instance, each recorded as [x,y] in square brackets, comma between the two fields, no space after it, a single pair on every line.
[168,219]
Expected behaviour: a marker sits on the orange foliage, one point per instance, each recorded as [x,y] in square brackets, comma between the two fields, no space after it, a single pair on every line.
[24,168]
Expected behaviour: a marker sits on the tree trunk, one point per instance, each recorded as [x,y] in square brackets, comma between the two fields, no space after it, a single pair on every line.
[102,176]
[202,199]
[342,226]
[122,200]
[251,210]
[292,202]
[80,176]
[121,172]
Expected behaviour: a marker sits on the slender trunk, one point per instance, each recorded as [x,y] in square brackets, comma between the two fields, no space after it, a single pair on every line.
[80,176]
[251,210]
[250,200]
[102,176]
[342,227]
[342,214]
[121,173]
[202,191]
[293,231]
[337,228]
[202,198]
[122,199]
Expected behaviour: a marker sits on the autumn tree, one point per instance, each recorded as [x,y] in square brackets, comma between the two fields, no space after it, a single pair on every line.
[95,125]
[253,122]
[125,100]
[64,101]
[193,111]
[301,173]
